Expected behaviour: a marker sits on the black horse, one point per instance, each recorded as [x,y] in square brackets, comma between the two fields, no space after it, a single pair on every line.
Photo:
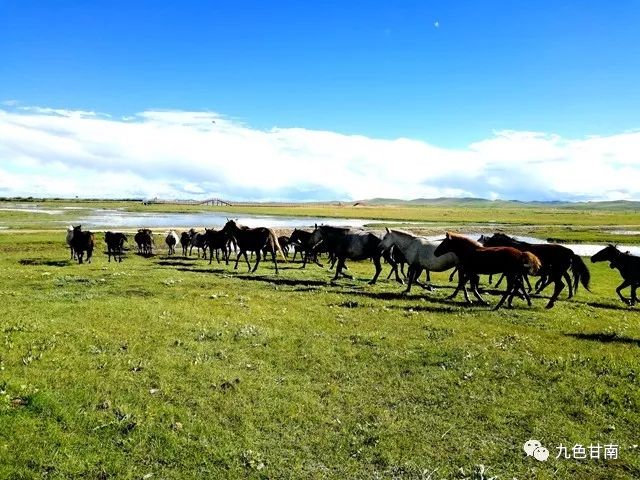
[253,240]
[82,242]
[350,244]
[629,267]
[217,241]
[115,244]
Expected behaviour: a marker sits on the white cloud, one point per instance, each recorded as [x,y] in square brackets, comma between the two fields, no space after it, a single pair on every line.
[58,152]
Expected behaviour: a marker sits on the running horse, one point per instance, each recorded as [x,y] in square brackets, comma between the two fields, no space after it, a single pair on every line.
[556,262]
[253,240]
[474,259]
[629,267]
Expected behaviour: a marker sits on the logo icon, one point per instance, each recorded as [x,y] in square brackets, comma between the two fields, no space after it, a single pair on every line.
[533,448]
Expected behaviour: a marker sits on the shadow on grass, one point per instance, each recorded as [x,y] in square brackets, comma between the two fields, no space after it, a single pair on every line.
[282,281]
[44,262]
[605,338]
[179,263]
[609,306]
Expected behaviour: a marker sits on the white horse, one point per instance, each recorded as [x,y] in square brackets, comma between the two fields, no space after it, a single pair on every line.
[172,240]
[419,253]
[69,238]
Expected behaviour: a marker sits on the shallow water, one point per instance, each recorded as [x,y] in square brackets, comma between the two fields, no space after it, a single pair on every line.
[113,219]
[118,218]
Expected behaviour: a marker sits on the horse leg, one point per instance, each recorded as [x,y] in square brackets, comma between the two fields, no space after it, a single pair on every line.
[475,279]
[622,286]
[376,262]
[411,272]
[557,279]
[634,298]
[338,269]
[258,257]
[273,258]
[237,259]
[509,290]
[452,274]
[491,278]
[567,279]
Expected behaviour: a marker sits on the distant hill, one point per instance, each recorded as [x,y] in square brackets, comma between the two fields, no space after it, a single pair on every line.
[480,202]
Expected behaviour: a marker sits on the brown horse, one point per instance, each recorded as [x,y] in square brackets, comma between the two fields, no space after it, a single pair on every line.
[475,260]
[253,240]
[556,262]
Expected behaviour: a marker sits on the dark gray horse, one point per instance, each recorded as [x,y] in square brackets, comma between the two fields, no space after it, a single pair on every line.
[346,243]
[629,267]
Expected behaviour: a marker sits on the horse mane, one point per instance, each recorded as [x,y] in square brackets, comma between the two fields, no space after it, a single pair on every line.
[403,233]
[458,236]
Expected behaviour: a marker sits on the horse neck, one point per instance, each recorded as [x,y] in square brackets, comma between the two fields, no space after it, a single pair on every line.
[463,247]
[401,239]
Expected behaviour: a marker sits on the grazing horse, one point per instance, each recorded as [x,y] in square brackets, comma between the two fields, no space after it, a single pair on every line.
[556,262]
[144,240]
[68,239]
[629,267]
[115,244]
[185,241]
[171,241]
[346,243]
[82,242]
[253,240]
[199,241]
[419,254]
[217,240]
[474,259]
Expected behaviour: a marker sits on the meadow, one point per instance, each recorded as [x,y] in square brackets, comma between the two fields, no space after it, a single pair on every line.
[168,367]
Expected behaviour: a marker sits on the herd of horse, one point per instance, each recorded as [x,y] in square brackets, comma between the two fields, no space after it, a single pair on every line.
[498,254]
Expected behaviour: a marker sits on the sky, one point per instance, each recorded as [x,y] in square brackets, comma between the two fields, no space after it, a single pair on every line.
[312,101]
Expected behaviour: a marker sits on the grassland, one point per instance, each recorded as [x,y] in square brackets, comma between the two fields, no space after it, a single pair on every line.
[585,222]
[171,368]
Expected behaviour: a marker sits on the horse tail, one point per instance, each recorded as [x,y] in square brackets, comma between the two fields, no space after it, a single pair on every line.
[532,262]
[275,244]
[580,271]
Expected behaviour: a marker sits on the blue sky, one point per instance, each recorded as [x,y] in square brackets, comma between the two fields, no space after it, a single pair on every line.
[446,73]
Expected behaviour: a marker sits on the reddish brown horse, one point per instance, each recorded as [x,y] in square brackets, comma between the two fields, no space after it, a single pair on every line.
[476,259]
[556,262]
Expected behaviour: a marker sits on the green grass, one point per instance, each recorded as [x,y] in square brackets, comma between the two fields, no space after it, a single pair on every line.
[179,369]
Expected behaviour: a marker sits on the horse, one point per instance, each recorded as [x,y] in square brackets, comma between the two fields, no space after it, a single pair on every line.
[185,241]
[474,259]
[253,240]
[144,240]
[419,254]
[217,240]
[171,240]
[350,244]
[556,262]
[82,242]
[629,267]
[300,239]
[115,244]
[197,240]
[68,239]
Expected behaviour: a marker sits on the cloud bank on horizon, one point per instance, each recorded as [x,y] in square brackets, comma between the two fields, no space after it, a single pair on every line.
[180,154]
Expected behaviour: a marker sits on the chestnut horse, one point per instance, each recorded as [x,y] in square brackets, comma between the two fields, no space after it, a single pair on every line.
[556,262]
[474,259]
